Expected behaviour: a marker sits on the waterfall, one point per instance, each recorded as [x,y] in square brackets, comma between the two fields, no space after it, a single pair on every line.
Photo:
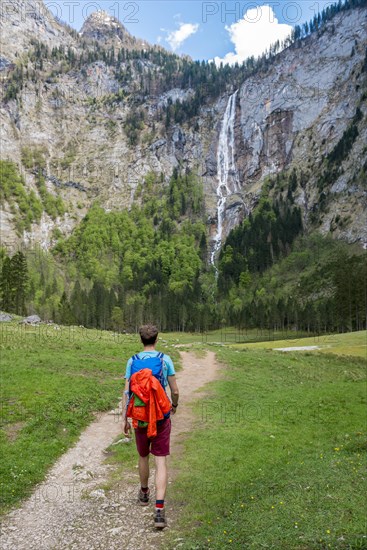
[226,169]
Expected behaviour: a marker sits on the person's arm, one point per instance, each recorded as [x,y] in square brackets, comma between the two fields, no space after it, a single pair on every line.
[125,422]
[174,392]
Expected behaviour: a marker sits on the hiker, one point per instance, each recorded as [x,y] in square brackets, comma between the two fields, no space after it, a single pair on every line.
[153,437]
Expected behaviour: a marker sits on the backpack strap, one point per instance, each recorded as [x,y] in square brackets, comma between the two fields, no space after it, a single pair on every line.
[167,415]
[136,356]
[160,356]
[133,358]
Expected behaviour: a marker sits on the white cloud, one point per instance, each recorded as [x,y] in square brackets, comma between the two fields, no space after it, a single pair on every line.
[253,34]
[176,38]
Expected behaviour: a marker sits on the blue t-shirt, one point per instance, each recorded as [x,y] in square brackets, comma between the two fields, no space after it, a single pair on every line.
[168,368]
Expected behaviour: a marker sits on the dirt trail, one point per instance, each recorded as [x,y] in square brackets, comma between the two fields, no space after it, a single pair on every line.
[68,511]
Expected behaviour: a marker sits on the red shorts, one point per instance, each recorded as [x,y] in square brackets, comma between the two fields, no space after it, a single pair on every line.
[159,445]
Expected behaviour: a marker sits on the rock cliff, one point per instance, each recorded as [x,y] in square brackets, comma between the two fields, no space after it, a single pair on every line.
[94,106]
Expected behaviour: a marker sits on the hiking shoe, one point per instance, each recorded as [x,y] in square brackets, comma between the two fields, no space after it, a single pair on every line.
[143,498]
[160,518]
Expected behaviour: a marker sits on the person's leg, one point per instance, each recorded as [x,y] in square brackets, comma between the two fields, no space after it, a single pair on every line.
[143,448]
[143,445]
[144,470]
[160,450]
[161,476]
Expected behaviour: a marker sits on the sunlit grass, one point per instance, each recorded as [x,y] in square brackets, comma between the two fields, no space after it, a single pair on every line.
[52,384]
[350,343]
[277,457]
[230,335]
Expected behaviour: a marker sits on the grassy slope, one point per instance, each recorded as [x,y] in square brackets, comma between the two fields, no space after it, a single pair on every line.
[52,383]
[232,335]
[276,459]
[352,343]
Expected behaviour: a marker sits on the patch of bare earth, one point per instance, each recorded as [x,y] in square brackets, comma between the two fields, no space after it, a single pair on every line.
[12,430]
[69,510]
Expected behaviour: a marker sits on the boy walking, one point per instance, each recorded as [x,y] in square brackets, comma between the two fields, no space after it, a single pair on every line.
[159,446]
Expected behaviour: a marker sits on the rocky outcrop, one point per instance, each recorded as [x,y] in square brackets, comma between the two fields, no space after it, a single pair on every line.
[108,30]
[31,320]
[5,317]
[294,114]
[22,21]
[316,87]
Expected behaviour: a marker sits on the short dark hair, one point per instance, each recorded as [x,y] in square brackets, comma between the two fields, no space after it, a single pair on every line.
[148,334]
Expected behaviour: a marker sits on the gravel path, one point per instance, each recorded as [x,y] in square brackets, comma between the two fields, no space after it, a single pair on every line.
[69,511]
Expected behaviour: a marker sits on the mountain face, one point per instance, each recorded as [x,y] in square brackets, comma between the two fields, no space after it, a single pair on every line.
[100,26]
[23,21]
[93,114]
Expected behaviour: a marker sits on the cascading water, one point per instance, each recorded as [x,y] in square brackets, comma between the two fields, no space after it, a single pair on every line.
[226,169]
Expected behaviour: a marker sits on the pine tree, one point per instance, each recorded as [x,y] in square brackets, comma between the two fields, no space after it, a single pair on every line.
[77,304]
[21,279]
[65,314]
[7,287]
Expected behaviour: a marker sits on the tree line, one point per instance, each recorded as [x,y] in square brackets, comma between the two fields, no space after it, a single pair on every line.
[265,236]
[273,274]
[319,287]
[13,282]
[120,269]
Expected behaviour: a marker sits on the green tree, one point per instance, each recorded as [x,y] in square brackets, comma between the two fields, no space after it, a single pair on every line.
[77,303]
[20,281]
[7,287]
[65,314]
[117,319]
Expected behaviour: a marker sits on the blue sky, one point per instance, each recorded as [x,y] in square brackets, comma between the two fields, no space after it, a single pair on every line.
[202,29]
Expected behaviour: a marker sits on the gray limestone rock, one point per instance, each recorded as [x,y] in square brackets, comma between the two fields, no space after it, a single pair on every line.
[5,317]
[32,319]
[291,114]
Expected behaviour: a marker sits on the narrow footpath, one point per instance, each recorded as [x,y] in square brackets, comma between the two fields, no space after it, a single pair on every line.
[69,510]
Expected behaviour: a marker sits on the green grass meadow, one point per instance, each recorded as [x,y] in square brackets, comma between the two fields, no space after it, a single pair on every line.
[53,384]
[278,455]
[232,335]
[351,343]
[276,459]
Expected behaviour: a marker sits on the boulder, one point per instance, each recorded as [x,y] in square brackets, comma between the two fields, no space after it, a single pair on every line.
[32,319]
[5,317]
